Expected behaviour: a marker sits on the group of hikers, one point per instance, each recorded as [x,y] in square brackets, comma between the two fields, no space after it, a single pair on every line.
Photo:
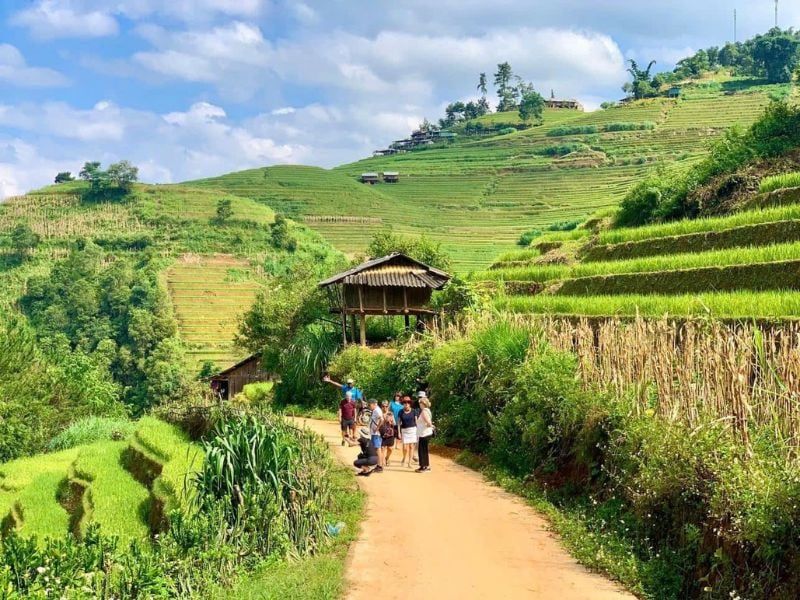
[404,424]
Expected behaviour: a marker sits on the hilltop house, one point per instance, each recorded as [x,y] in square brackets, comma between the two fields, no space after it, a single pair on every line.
[390,176]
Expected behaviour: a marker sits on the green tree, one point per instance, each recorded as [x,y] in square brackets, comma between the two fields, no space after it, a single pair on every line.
[482,84]
[777,54]
[64,177]
[123,175]
[224,210]
[505,91]
[531,106]
[421,248]
[24,240]
[641,86]
[89,170]
[282,238]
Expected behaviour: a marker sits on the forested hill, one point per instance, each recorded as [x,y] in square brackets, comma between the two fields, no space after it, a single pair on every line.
[478,193]
[119,299]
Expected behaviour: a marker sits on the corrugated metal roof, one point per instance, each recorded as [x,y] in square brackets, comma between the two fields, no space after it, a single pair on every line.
[395,270]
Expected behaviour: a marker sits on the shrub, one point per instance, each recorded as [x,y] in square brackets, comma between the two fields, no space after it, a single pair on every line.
[560,149]
[572,130]
[92,429]
[537,429]
[526,238]
[627,126]
[372,371]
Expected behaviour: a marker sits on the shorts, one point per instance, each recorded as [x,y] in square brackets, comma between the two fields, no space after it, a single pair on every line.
[347,424]
[376,441]
[388,442]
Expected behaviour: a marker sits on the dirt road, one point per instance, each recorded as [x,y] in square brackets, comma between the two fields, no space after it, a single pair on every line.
[449,534]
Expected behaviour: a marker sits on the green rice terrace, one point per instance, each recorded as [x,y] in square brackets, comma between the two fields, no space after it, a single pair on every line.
[478,194]
[746,264]
[124,486]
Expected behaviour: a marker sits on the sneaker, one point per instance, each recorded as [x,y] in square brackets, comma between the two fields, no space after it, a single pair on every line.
[419,470]
[378,469]
[344,443]
[363,473]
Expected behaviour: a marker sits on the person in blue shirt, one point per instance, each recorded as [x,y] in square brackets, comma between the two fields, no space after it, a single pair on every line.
[396,406]
[345,387]
[355,394]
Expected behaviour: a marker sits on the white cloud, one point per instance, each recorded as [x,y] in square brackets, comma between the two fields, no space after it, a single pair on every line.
[284,110]
[49,19]
[175,146]
[14,70]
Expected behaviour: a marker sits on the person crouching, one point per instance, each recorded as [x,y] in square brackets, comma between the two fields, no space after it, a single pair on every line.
[368,457]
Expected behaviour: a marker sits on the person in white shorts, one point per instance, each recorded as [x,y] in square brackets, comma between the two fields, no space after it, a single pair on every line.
[408,431]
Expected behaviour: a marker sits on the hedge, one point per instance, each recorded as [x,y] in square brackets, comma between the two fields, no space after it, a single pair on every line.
[756,277]
[759,234]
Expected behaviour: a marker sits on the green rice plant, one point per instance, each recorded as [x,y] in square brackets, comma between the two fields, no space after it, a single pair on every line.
[673,262]
[779,182]
[687,226]
[772,304]
[91,429]
[113,498]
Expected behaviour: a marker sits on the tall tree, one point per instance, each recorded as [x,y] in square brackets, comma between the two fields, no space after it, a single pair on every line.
[482,84]
[641,86]
[531,106]
[505,92]
[777,53]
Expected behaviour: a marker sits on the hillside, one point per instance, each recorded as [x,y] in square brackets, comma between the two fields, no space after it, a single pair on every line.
[478,194]
[211,270]
[746,264]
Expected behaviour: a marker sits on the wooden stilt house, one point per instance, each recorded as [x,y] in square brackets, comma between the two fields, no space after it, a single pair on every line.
[391,285]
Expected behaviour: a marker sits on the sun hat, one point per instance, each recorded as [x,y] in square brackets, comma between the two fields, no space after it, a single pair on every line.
[350,381]
[364,433]
[422,394]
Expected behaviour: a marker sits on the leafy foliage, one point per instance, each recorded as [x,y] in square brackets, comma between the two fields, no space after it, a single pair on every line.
[421,248]
[114,183]
[114,315]
[23,240]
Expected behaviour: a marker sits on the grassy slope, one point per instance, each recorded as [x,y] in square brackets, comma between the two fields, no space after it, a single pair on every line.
[478,194]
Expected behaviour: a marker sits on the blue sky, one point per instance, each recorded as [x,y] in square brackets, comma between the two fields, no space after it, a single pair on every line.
[193,88]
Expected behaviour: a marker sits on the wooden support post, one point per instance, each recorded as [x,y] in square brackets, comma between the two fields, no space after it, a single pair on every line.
[363,330]
[405,300]
[344,329]
[408,322]
[385,309]
[353,328]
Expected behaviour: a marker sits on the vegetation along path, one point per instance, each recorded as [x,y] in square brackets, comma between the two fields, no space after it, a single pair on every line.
[450,534]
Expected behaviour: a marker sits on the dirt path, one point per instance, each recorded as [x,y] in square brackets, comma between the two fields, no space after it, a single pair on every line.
[450,534]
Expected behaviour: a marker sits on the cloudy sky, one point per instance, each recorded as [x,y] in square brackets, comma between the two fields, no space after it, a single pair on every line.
[192,88]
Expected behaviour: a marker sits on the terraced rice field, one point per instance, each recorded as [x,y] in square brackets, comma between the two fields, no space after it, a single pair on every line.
[747,264]
[208,294]
[477,194]
[111,483]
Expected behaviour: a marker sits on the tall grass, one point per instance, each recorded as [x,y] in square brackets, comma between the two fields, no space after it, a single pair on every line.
[715,258]
[269,476]
[686,226]
[92,429]
[779,182]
